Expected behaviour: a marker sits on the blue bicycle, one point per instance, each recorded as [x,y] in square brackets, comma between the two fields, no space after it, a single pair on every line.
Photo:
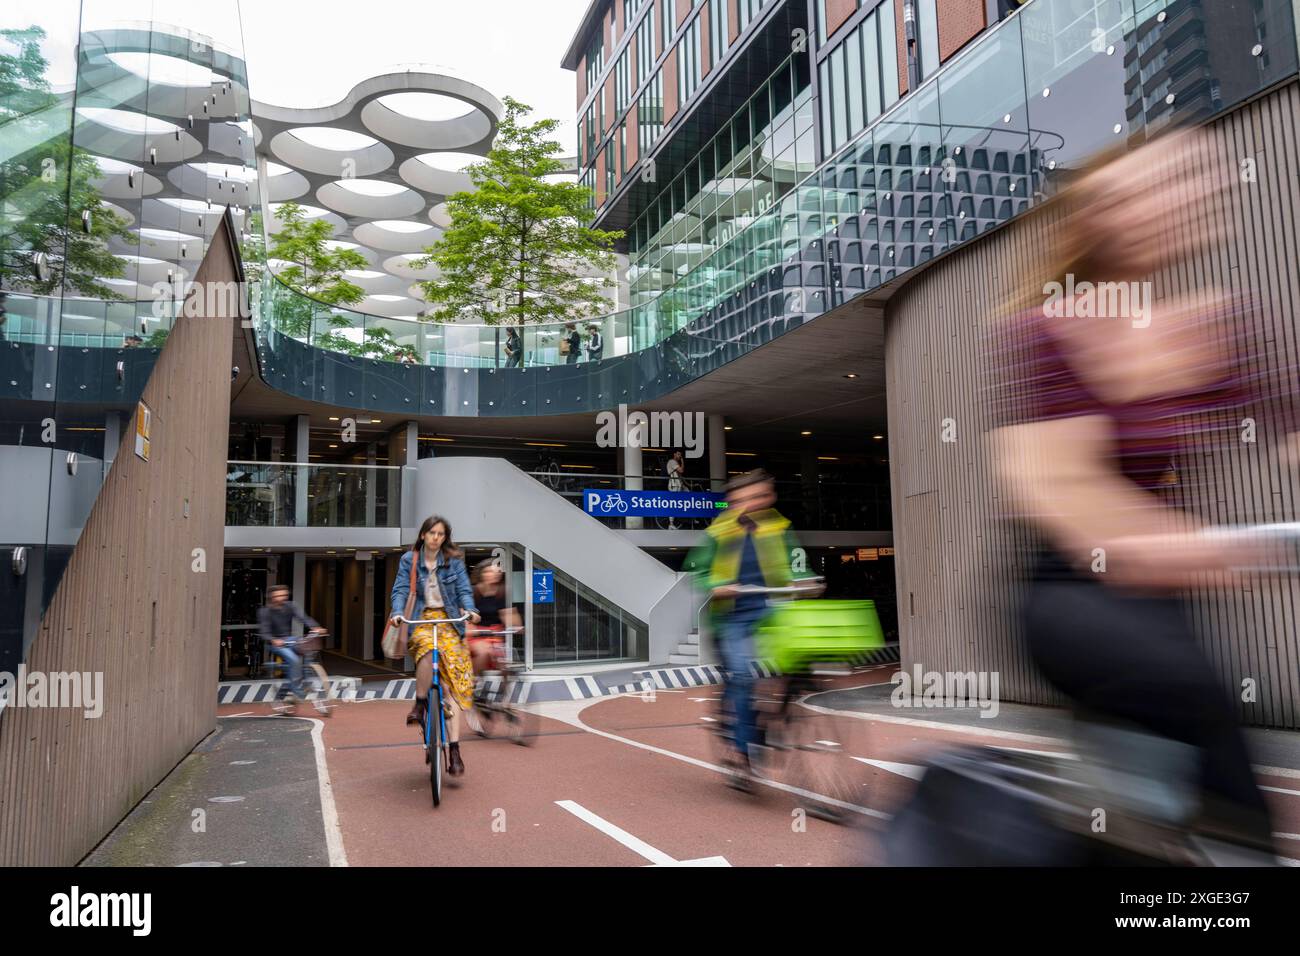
[435,728]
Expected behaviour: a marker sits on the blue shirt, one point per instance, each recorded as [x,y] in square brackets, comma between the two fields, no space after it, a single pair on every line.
[751,573]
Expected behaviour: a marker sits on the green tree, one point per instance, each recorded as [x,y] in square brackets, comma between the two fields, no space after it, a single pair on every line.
[318,271]
[519,245]
[45,188]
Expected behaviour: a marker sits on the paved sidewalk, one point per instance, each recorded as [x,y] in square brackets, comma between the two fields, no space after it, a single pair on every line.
[248,795]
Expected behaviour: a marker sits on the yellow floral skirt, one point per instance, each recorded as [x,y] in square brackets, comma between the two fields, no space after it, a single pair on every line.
[455,669]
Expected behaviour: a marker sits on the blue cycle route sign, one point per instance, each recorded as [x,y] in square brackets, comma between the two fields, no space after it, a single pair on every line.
[543,587]
[620,503]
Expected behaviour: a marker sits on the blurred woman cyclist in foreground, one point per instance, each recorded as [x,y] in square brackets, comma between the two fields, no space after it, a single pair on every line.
[1097,391]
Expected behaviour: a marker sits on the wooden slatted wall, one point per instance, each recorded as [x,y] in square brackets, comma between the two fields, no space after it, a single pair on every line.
[130,606]
[957,567]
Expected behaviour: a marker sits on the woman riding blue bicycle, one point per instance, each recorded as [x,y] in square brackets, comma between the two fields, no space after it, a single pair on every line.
[432,586]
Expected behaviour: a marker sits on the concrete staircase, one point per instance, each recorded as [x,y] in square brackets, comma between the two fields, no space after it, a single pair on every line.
[688,651]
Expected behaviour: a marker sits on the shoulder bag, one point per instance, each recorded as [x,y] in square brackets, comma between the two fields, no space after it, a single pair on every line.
[394,639]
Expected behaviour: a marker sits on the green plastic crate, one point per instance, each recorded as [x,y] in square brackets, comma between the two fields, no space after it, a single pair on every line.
[797,633]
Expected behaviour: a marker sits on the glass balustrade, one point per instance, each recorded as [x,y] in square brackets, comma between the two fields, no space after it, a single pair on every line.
[286,495]
[998,129]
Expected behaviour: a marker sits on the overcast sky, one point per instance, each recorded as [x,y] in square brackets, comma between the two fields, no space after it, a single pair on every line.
[311,52]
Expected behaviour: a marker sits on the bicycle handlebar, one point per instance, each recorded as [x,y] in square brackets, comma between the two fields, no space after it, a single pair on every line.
[792,589]
[445,620]
[1281,535]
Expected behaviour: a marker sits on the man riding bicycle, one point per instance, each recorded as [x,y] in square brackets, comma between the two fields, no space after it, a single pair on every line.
[748,545]
[275,626]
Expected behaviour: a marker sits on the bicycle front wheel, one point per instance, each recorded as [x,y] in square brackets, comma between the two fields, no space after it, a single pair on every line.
[517,725]
[433,746]
[819,748]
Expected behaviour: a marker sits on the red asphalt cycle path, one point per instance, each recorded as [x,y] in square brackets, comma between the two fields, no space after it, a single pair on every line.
[633,769]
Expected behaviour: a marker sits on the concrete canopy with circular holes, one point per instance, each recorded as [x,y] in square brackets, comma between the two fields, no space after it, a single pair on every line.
[373,166]
[178,138]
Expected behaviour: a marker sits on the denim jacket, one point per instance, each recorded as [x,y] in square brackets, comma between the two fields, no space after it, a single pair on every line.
[453,584]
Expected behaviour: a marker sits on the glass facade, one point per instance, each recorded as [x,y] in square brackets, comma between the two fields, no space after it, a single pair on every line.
[754,238]
[858,79]
[746,167]
[582,626]
[122,143]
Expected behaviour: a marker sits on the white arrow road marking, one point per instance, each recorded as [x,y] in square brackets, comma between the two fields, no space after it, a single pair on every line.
[910,770]
[637,846]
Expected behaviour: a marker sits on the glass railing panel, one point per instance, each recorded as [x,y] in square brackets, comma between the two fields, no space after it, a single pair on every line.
[912,185]
[288,494]
[103,131]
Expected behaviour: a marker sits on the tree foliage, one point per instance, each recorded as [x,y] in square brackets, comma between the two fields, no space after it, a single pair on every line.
[45,189]
[318,270]
[520,248]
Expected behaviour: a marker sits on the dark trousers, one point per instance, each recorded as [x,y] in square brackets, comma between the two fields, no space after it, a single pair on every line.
[1135,658]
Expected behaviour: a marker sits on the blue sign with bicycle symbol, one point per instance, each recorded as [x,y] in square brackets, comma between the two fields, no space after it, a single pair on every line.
[607,503]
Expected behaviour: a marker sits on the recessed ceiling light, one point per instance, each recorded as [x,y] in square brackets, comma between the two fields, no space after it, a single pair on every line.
[726,428]
[877,437]
[805,433]
[851,375]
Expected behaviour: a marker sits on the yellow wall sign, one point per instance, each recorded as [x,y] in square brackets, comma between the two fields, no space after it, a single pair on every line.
[886,552]
[143,424]
[868,554]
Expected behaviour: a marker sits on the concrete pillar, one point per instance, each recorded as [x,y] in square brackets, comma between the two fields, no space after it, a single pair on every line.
[368,614]
[372,477]
[404,451]
[634,437]
[717,444]
[528,609]
[809,469]
[302,454]
[299,585]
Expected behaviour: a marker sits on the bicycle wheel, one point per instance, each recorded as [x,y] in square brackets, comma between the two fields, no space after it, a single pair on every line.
[321,696]
[433,745]
[485,708]
[820,752]
[517,725]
